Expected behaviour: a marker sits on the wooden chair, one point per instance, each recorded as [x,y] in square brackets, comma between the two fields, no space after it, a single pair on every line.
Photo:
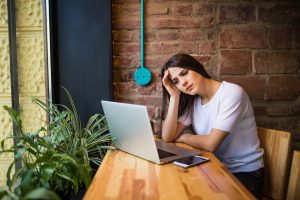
[294,182]
[276,145]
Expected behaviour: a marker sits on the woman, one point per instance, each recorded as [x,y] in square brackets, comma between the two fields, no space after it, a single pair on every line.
[220,113]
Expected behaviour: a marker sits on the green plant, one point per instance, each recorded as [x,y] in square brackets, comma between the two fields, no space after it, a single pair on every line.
[56,158]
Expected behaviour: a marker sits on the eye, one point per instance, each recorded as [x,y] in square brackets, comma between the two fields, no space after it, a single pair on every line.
[175,81]
[184,72]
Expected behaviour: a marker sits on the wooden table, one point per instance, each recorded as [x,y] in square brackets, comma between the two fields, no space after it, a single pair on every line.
[123,176]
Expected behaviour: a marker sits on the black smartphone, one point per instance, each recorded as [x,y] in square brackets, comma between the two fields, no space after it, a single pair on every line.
[190,161]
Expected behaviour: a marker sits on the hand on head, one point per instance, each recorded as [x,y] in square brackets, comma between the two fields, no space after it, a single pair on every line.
[169,85]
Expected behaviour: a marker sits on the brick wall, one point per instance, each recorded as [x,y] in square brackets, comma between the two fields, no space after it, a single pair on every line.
[255,44]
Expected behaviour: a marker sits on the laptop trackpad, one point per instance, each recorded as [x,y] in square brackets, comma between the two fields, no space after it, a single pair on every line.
[170,147]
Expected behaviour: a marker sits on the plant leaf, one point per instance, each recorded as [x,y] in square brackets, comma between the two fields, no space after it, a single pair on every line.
[42,193]
[15,116]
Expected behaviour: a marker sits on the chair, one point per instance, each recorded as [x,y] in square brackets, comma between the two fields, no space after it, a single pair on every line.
[294,182]
[276,145]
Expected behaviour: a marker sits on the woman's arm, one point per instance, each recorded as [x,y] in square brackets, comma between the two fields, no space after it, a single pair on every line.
[208,142]
[171,128]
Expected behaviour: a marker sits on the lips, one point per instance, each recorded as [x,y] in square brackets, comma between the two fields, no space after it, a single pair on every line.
[189,87]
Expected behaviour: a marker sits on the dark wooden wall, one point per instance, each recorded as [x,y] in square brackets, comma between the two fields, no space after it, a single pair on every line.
[81,53]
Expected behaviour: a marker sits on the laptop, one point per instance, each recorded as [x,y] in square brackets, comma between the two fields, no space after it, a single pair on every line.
[130,125]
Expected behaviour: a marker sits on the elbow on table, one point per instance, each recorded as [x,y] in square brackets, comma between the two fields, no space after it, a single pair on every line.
[167,139]
[212,147]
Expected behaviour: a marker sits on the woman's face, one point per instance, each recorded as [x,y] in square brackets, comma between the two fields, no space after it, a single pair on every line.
[187,81]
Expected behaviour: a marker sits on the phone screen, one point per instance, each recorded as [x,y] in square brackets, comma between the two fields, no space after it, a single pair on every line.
[190,161]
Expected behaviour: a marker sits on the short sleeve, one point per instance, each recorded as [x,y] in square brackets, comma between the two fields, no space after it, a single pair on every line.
[233,106]
[185,119]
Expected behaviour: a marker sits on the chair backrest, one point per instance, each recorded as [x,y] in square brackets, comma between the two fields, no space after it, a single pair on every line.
[294,181]
[276,145]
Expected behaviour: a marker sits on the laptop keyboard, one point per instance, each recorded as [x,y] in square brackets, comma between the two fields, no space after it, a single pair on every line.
[164,154]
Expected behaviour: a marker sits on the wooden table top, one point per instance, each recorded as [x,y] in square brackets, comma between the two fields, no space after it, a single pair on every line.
[123,176]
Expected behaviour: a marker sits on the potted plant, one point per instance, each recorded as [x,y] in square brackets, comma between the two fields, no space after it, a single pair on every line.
[56,159]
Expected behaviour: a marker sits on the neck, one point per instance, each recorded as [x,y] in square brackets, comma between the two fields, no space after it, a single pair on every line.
[209,90]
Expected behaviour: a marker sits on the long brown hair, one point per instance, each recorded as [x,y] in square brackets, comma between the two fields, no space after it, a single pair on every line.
[186,101]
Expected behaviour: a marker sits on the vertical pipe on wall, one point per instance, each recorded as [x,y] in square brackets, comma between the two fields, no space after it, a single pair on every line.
[47,52]
[13,66]
[47,46]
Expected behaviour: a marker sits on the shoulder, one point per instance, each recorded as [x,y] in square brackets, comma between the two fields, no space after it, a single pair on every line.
[233,94]
[232,87]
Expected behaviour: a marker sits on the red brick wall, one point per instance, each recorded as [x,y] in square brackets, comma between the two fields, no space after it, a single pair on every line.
[256,45]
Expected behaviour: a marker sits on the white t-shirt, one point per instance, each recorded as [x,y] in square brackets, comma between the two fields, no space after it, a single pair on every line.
[229,110]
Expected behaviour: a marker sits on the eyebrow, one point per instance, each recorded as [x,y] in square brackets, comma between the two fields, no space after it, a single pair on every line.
[180,73]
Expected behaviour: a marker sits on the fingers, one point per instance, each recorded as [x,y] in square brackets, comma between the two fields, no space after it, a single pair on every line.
[166,78]
[166,74]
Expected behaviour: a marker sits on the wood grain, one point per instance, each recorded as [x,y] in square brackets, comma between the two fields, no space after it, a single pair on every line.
[294,181]
[123,176]
[276,145]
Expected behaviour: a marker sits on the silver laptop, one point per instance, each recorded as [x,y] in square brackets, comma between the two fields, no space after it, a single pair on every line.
[130,125]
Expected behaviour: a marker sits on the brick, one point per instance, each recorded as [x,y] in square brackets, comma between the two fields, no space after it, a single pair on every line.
[165,22]
[136,35]
[124,48]
[122,61]
[127,23]
[171,47]
[148,36]
[154,113]
[276,62]
[147,90]
[206,12]
[259,110]
[235,62]
[194,35]
[156,127]
[279,14]
[138,99]
[249,36]
[187,47]
[206,46]
[295,110]
[155,8]
[155,61]
[167,35]
[283,87]
[125,88]
[200,8]
[281,38]
[182,9]
[191,35]
[277,110]
[279,123]
[254,86]
[270,122]
[241,13]
[297,131]
[125,9]
[161,47]
[122,36]
[123,75]
[203,59]
[296,38]
[175,22]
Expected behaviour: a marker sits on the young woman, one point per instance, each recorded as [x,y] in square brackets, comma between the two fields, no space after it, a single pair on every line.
[220,113]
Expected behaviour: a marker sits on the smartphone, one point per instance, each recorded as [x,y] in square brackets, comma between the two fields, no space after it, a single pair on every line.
[190,161]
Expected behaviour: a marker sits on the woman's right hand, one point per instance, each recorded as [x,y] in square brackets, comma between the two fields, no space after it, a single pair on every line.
[169,85]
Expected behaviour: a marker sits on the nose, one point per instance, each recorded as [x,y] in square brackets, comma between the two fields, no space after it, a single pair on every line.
[184,82]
